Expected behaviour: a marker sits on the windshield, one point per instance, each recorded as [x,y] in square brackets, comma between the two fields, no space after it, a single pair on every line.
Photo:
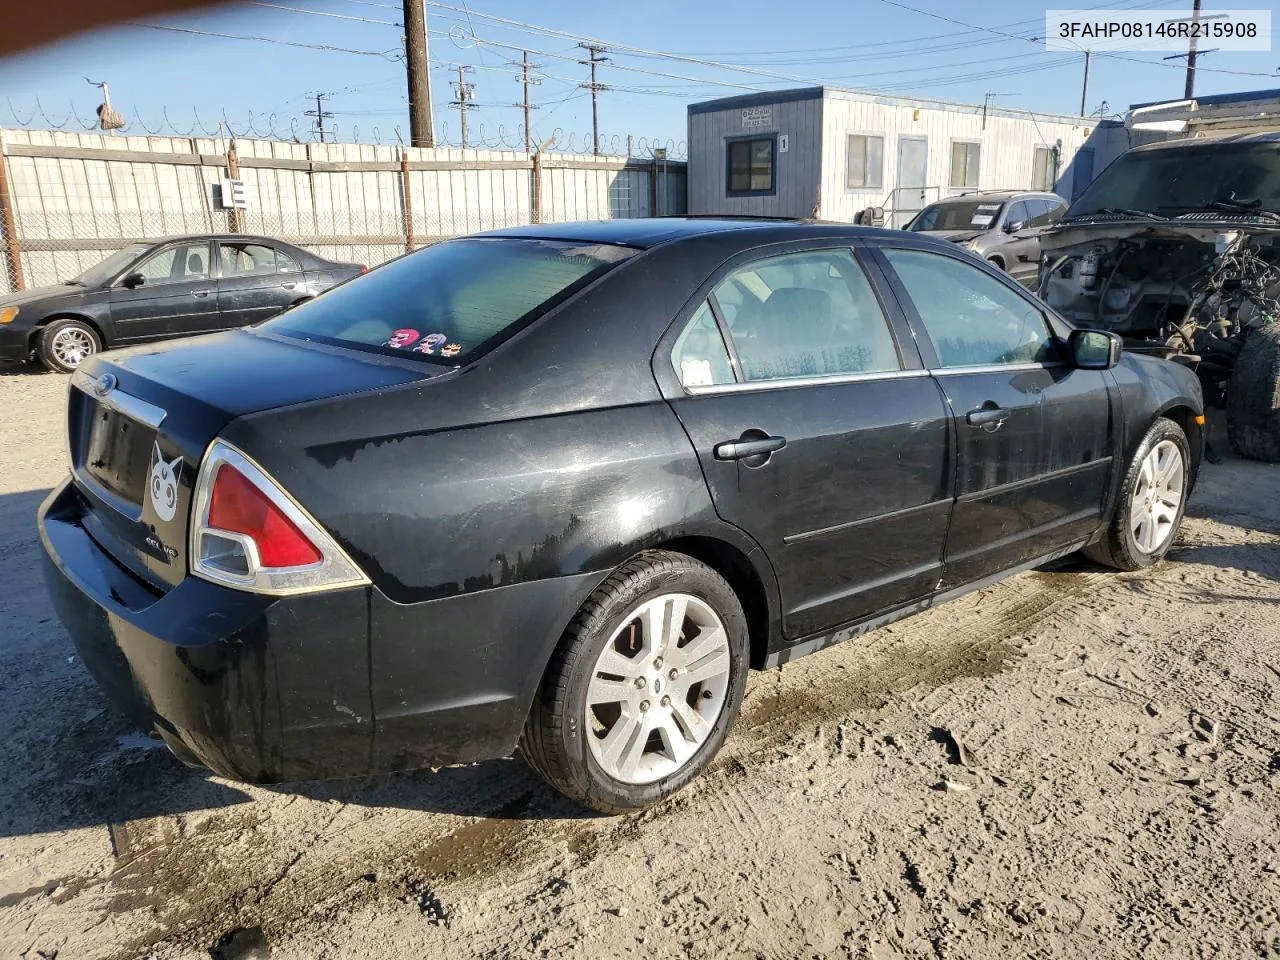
[103,271]
[451,301]
[957,215]
[1182,179]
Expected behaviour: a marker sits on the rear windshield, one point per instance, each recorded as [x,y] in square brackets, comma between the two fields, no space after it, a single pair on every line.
[452,301]
[957,215]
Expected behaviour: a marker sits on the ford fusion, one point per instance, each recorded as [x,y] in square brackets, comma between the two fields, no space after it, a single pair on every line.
[557,489]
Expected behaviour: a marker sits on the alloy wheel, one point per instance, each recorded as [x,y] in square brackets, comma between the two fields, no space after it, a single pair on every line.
[1157,496]
[71,345]
[657,688]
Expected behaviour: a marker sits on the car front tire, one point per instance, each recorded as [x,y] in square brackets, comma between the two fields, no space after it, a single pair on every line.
[64,345]
[1153,500]
[643,687]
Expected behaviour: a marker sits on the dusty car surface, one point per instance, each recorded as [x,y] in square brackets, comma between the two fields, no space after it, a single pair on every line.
[1002,226]
[1176,246]
[560,487]
[159,289]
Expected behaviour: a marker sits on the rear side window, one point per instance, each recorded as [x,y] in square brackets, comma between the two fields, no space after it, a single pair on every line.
[453,300]
[699,356]
[805,315]
[972,318]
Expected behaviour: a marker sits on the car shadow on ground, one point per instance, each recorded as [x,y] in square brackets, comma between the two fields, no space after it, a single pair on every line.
[8,369]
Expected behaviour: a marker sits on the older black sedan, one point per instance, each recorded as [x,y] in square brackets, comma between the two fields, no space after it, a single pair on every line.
[159,289]
[558,488]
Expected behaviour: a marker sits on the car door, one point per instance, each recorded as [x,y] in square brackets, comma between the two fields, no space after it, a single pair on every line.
[257,281]
[819,433]
[1021,249]
[174,298]
[1034,434]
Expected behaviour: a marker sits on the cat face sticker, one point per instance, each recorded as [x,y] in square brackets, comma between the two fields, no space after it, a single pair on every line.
[402,338]
[452,350]
[162,485]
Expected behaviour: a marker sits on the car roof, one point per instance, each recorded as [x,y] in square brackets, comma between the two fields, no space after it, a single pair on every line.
[653,231]
[996,195]
[156,241]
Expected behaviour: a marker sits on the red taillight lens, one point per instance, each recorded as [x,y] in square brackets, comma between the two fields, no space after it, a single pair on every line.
[237,506]
[363,268]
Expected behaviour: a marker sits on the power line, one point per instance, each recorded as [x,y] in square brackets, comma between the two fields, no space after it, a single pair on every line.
[329,48]
[322,13]
[320,113]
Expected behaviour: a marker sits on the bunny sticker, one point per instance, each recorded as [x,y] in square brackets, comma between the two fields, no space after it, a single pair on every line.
[163,485]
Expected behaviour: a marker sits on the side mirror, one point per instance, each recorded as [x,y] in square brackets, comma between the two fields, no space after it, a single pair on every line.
[1095,349]
[133,280]
[1015,226]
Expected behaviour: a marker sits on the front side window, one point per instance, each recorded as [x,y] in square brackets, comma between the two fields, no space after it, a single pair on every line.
[957,215]
[964,163]
[864,164]
[189,261]
[973,319]
[1018,214]
[450,301]
[751,165]
[805,315]
[1044,211]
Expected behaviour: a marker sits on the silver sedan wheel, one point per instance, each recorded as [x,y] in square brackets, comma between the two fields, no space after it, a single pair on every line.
[71,345]
[1157,495]
[657,688]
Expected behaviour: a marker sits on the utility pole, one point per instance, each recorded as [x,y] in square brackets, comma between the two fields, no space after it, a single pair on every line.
[527,81]
[320,113]
[1191,52]
[1084,90]
[595,88]
[415,43]
[465,94]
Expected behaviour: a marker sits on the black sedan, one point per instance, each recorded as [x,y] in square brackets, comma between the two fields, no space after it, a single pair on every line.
[160,289]
[558,488]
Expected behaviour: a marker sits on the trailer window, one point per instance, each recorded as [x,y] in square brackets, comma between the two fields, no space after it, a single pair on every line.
[751,165]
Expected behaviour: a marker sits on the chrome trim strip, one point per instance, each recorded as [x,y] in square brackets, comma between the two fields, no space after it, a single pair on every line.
[994,368]
[132,407]
[783,382]
[894,515]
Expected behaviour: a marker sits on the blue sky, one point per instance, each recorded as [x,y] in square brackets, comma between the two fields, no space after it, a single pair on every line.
[865,44]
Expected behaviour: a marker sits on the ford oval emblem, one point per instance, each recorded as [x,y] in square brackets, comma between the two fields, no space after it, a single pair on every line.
[104,384]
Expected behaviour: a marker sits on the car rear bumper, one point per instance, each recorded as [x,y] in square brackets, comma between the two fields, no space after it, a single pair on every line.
[341,684]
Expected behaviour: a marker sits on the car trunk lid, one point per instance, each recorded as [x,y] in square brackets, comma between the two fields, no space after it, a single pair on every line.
[139,422]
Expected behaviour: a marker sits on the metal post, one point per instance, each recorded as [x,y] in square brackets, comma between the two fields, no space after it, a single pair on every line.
[528,82]
[535,188]
[408,200]
[465,95]
[653,188]
[9,225]
[419,74]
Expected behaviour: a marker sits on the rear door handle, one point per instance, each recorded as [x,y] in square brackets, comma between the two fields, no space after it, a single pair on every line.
[987,416]
[741,449]
[289,284]
[199,293]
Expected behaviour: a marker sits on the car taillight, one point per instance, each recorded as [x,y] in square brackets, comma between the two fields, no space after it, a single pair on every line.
[363,268]
[237,506]
[247,533]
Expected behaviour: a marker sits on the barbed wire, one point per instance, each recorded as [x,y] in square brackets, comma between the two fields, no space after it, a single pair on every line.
[271,126]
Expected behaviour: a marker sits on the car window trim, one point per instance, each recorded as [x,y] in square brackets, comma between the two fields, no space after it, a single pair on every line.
[779,383]
[246,243]
[924,342]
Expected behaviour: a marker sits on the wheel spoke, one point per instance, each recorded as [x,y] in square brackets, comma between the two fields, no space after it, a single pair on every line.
[612,662]
[1143,531]
[619,739]
[675,610]
[690,721]
[673,738]
[712,665]
[601,690]
[632,752]
[1146,474]
[707,640]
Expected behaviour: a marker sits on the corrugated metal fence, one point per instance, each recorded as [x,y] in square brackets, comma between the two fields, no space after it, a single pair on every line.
[74,198]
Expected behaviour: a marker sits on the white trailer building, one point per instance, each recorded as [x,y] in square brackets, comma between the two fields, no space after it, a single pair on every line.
[832,153]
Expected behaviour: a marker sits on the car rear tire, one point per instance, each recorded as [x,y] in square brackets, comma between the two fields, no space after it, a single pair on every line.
[996,262]
[64,344]
[643,687]
[1253,397]
[1153,499]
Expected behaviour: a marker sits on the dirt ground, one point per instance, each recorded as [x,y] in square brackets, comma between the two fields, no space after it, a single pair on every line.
[1075,763]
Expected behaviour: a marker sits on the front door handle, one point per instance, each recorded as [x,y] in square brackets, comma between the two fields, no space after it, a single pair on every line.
[988,417]
[289,284]
[199,293]
[742,449]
